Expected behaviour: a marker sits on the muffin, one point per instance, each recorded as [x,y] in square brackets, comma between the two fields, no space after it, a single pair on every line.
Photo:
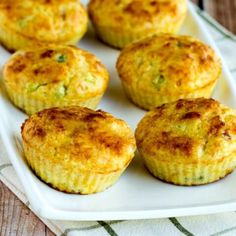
[164,68]
[27,23]
[189,141]
[119,23]
[52,76]
[77,150]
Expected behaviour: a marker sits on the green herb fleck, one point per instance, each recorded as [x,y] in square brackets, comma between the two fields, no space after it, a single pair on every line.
[179,44]
[158,81]
[201,178]
[90,79]
[61,91]
[62,58]
[22,23]
[35,86]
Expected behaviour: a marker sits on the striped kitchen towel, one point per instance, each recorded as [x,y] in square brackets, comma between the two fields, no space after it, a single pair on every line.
[218,224]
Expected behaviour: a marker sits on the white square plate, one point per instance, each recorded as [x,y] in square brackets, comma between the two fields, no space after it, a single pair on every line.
[137,195]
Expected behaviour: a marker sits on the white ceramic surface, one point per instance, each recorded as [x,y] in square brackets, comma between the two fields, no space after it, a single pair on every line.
[137,195]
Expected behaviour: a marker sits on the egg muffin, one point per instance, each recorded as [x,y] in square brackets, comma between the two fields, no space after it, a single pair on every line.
[164,68]
[121,22]
[189,141]
[77,150]
[54,75]
[28,23]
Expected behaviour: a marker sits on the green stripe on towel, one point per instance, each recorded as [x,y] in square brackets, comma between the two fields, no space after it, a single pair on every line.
[108,228]
[176,223]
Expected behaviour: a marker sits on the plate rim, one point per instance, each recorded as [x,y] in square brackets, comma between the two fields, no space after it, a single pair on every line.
[43,209]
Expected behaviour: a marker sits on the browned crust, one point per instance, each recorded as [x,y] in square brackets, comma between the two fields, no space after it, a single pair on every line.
[134,10]
[189,104]
[40,67]
[188,130]
[182,60]
[174,143]
[191,115]
[92,139]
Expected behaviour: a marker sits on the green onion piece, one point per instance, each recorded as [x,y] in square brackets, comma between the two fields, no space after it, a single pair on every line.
[22,23]
[61,91]
[33,87]
[179,44]
[158,81]
[25,20]
[62,58]
[90,79]
[201,178]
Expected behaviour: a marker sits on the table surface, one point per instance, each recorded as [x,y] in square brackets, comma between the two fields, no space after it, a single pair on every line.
[16,218]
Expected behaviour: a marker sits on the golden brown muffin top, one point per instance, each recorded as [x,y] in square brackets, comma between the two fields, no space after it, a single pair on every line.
[44,20]
[188,130]
[80,138]
[56,72]
[169,64]
[136,13]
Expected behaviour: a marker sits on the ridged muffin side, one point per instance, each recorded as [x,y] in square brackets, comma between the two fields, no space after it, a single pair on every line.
[54,75]
[165,67]
[77,150]
[28,23]
[119,23]
[188,142]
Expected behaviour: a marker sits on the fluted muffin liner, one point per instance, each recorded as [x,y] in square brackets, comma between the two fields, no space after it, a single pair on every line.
[31,105]
[148,101]
[117,39]
[70,181]
[121,38]
[12,41]
[189,174]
